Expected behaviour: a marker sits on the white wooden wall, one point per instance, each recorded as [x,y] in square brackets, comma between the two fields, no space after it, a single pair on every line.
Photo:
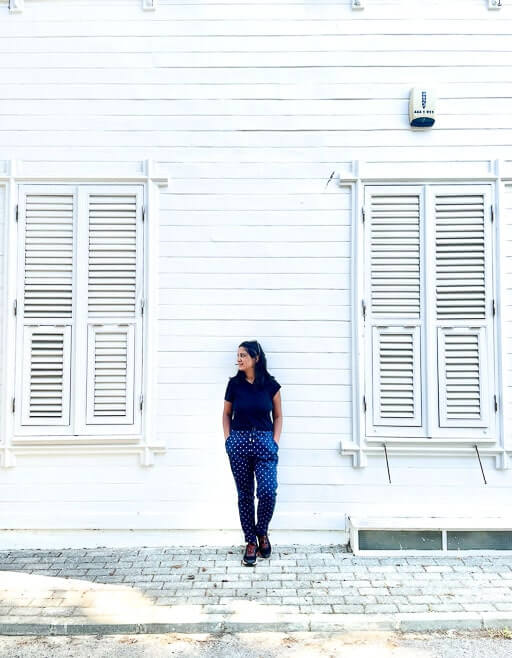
[3,195]
[249,107]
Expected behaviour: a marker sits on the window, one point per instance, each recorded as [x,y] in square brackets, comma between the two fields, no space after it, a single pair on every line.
[428,328]
[79,320]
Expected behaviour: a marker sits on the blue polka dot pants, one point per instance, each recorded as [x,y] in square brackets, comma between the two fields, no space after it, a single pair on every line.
[254,453]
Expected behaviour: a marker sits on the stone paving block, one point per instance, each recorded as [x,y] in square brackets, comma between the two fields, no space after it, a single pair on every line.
[412,607]
[380,608]
[382,568]
[445,607]
[281,592]
[405,591]
[478,607]
[252,592]
[328,600]
[18,611]
[373,591]
[392,599]
[288,576]
[428,599]
[348,608]
[312,608]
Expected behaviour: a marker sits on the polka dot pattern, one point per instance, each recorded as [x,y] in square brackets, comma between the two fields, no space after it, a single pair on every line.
[253,454]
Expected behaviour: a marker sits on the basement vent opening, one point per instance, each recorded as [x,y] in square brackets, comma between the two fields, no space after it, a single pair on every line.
[400,540]
[497,540]
[432,540]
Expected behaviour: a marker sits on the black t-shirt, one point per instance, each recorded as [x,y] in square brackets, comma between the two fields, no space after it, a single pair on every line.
[251,406]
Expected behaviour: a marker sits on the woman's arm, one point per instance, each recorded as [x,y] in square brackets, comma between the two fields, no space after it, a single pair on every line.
[226,418]
[277,416]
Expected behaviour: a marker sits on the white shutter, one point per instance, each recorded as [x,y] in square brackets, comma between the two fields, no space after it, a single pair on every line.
[393,296]
[463,307]
[396,385]
[45,309]
[110,376]
[114,322]
[46,376]
[463,394]
[112,270]
[395,255]
[48,283]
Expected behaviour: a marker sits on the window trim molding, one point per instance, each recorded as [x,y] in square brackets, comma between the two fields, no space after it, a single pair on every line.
[18,6]
[356,175]
[15,172]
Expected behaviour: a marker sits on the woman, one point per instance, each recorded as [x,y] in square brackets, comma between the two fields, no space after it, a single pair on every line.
[252,440]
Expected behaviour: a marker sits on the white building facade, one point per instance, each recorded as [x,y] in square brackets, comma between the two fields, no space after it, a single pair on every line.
[178,176]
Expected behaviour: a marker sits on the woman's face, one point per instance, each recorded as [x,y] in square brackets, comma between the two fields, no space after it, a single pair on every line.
[245,360]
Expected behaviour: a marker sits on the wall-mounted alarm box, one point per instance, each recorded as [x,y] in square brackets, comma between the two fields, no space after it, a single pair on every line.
[422,107]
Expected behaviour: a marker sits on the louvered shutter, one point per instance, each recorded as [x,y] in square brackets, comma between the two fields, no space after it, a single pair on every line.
[114,323]
[393,294]
[463,306]
[45,312]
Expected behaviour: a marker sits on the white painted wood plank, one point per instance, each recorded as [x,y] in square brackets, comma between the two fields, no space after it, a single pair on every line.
[144,59]
[238,233]
[215,390]
[278,11]
[266,98]
[258,139]
[309,43]
[228,344]
[226,312]
[132,22]
[165,83]
[330,360]
[274,122]
[262,328]
[311,496]
[408,153]
[249,280]
[269,297]
[268,265]
[293,408]
[218,249]
[249,219]
[285,376]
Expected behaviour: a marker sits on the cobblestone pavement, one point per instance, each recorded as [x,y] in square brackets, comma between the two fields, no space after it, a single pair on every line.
[205,588]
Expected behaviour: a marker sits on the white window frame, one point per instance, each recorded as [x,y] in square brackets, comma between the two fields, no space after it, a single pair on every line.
[81,425]
[427,348]
[356,176]
[100,442]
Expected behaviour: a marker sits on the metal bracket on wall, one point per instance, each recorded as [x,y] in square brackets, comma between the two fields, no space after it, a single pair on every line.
[495,4]
[357,4]
[16,6]
[149,4]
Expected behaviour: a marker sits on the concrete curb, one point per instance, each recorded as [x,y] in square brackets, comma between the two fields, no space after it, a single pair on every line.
[407,622]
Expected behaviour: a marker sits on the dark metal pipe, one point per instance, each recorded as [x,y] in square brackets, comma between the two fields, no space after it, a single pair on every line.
[387,462]
[480,461]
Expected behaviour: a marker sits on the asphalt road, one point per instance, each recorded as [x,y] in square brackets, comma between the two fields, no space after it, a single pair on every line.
[265,645]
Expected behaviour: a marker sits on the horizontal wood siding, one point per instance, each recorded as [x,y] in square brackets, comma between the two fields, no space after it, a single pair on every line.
[249,107]
[506,304]
[3,208]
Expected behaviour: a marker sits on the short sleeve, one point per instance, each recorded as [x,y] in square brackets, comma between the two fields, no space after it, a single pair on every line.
[274,386]
[229,395]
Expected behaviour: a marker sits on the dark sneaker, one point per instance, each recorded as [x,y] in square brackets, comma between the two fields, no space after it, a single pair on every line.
[264,547]
[249,558]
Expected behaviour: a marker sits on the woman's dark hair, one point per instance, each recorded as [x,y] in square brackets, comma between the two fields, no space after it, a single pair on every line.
[261,374]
